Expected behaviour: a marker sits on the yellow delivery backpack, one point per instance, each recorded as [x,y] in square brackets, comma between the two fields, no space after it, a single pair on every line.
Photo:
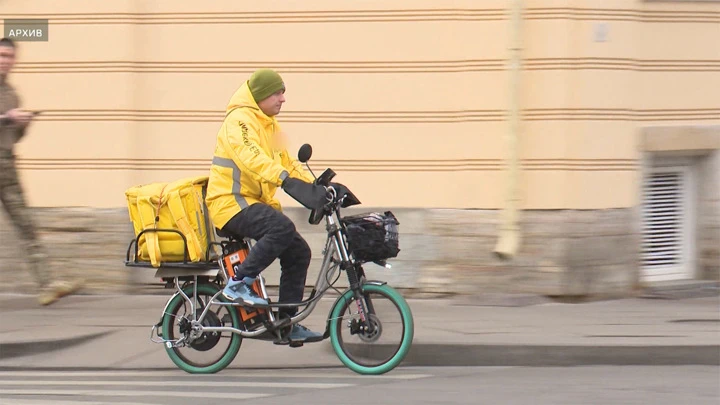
[180,206]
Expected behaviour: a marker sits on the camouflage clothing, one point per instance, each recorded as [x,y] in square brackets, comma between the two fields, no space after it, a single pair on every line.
[10,133]
[11,193]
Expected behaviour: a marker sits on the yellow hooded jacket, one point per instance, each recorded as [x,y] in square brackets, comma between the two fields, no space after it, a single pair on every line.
[250,160]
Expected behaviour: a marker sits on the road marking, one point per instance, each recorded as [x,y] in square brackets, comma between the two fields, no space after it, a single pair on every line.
[227,373]
[17,401]
[133,393]
[229,384]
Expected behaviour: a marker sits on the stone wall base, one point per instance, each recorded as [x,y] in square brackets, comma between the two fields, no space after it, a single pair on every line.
[444,251]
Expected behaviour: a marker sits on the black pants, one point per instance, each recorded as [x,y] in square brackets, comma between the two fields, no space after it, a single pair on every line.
[276,237]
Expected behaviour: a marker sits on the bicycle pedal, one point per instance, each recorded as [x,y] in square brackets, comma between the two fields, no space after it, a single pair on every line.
[282,342]
[295,343]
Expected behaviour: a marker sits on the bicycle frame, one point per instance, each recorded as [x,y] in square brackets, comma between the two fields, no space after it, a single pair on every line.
[335,243]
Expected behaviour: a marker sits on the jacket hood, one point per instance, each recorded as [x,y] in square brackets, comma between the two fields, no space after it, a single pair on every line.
[243,99]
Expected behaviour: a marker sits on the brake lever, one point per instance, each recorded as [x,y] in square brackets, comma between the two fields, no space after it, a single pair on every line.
[340,200]
[331,194]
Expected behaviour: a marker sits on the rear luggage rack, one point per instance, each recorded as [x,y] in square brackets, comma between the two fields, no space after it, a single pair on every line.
[208,263]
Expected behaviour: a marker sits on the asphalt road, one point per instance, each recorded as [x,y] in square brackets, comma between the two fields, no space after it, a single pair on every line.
[657,385]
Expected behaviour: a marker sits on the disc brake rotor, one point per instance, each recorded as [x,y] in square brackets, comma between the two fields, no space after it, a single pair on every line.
[366,335]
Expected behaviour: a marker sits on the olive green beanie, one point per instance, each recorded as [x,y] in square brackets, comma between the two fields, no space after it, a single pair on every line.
[264,82]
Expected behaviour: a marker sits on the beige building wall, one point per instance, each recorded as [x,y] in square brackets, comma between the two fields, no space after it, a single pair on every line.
[392,95]
[407,100]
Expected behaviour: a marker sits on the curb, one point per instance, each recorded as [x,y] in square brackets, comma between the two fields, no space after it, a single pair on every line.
[19,349]
[458,355]
[454,355]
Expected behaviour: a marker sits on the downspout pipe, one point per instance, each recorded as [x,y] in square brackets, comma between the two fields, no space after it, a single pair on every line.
[509,231]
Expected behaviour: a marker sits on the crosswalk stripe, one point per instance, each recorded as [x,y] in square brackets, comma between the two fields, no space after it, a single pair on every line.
[229,384]
[17,401]
[133,393]
[226,373]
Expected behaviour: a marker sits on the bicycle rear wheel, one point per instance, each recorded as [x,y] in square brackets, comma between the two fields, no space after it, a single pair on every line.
[210,352]
[381,347]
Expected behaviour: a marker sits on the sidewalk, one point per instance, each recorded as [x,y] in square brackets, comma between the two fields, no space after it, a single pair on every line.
[100,331]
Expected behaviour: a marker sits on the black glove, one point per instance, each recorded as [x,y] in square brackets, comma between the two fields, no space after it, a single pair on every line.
[309,195]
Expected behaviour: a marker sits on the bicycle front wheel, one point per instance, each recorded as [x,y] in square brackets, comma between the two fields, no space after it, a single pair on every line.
[379,344]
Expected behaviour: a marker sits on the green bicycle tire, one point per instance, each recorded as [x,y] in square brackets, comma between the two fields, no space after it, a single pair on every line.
[235,341]
[407,337]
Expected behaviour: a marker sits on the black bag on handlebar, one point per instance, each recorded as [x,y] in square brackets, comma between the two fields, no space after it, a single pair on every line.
[373,236]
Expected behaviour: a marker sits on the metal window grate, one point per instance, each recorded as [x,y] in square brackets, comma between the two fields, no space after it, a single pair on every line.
[663,219]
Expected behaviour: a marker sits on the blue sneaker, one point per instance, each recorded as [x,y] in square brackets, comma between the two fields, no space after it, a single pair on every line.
[241,292]
[300,333]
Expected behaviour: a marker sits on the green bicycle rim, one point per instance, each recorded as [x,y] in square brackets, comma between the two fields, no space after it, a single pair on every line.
[408,331]
[229,355]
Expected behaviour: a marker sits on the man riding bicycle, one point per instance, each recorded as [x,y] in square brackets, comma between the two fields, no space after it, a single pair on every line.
[249,164]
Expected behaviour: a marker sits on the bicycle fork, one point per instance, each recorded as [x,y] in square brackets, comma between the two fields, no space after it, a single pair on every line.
[362,301]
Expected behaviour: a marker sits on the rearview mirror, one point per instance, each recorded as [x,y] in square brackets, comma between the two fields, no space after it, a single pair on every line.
[305,153]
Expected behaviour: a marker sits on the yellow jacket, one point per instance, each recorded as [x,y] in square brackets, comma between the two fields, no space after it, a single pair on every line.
[250,162]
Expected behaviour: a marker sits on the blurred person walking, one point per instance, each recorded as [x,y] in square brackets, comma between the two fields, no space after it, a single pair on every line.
[13,126]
